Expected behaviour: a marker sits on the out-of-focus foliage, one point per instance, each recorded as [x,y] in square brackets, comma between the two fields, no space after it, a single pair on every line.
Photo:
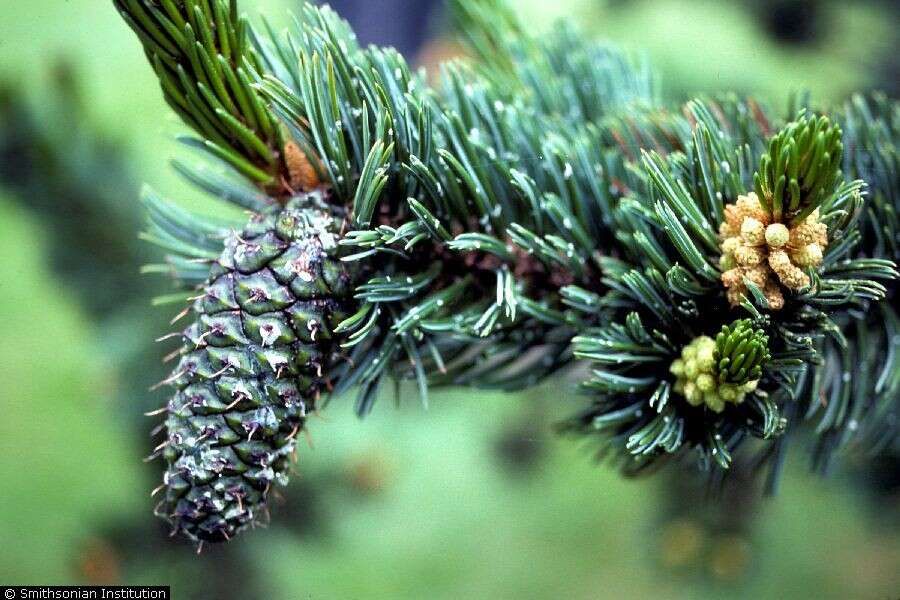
[69,460]
[78,183]
[739,45]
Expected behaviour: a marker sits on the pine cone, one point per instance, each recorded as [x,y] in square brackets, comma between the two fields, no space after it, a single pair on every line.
[252,366]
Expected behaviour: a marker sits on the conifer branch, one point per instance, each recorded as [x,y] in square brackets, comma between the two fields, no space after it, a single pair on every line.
[206,67]
[537,208]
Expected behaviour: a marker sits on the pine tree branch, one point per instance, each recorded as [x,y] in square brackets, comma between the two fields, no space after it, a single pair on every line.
[206,67]
[538,209]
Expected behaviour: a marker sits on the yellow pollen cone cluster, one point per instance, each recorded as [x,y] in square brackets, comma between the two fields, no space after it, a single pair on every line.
[696,377]
[767,253]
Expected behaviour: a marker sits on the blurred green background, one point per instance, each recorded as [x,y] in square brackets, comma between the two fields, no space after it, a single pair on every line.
[474,497]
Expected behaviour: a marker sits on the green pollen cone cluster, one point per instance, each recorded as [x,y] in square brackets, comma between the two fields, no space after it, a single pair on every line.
[252,366]
[714,372]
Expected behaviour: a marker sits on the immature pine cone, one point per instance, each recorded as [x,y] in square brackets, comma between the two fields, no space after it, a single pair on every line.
[251,367]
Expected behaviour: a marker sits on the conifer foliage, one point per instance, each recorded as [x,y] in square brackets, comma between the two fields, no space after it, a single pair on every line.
[537,208]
